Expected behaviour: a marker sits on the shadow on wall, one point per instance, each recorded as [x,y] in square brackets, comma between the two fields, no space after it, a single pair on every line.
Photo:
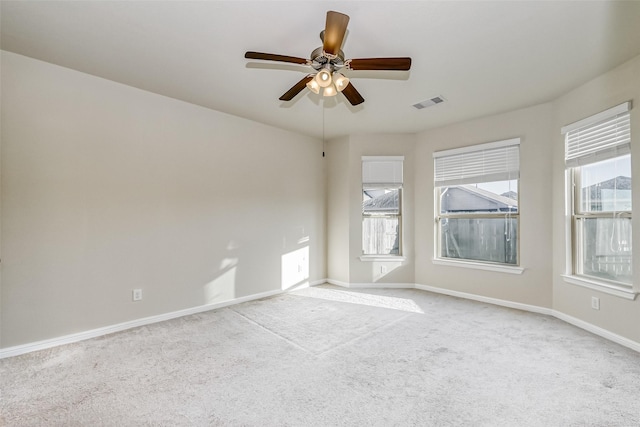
[294,270]
[294,261]
[380,269]
[223,287]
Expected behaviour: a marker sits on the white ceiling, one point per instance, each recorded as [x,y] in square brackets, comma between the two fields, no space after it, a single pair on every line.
[483,57]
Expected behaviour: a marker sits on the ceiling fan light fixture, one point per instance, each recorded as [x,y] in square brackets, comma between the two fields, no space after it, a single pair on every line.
[340,81]
[313,86]
[323,78]
[327,59]
[329,91]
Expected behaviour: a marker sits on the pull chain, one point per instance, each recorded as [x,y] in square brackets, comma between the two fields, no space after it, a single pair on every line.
[323,128]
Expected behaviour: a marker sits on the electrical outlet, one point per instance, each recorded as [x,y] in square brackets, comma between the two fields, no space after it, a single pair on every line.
[383,269]
[595,303]
[137,294]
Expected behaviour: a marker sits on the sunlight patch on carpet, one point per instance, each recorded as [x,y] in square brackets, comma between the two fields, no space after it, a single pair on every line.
[382,301]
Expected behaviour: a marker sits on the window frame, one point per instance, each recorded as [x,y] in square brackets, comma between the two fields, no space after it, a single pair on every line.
[574,211]
[397,216]
[577,214]
[439,216]
[487,215]
[383,172]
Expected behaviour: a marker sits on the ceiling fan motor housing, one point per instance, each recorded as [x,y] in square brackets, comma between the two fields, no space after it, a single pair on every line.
[319,60]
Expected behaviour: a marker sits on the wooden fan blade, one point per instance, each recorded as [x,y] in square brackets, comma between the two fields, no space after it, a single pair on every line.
[392,64]
[352,95]
[291,93]
[274,57]
[334,32]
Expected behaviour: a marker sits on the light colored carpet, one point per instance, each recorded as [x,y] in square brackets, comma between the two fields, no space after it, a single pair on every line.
[328,356]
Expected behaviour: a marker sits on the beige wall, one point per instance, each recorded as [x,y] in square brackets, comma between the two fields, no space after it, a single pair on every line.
[616,314]
[345,209]
[381,145]
[533,287]
[337,158]
[106,188]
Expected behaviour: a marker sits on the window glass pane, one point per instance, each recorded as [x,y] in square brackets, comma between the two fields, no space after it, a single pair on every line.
[606,186]
[498,196]
[380,235]
[605,244]
[381,201]
[480,239]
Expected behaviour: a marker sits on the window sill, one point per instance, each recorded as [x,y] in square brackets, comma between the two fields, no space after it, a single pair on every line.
[480,266]
[606,288]
[383,258]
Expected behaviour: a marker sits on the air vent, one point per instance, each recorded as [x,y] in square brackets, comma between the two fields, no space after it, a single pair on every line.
[429,102]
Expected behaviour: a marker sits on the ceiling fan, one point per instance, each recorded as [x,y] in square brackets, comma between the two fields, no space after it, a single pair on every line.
[328,60]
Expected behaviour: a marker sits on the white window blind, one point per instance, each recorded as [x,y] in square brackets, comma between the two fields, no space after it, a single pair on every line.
[382,170]
[600,137]
[494,161]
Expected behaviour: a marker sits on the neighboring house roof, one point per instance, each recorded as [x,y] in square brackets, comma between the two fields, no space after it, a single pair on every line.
[493,202]
[387,202]
[610,195]
[489,195]
[511,194]
[617,183]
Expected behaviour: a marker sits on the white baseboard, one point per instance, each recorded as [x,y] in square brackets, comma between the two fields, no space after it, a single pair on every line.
[337,283]
[494,301]
[68,339]
[93,333]
[626,342]
[618,339]
[371,285]
[305,284]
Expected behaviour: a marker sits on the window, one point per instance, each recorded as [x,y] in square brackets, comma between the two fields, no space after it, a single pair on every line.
[598,161]
[382,205]
[477,202]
